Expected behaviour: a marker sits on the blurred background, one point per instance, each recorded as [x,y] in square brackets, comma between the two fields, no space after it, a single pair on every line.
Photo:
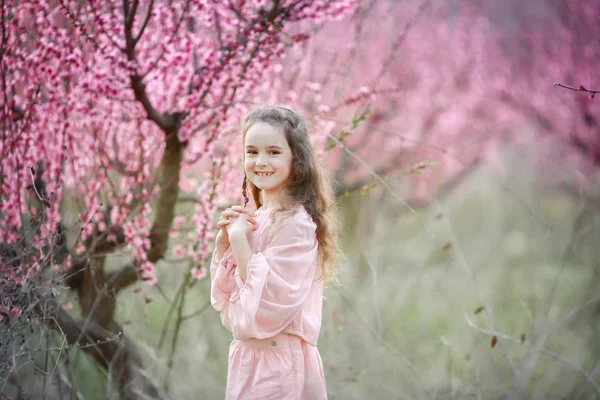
[466,179]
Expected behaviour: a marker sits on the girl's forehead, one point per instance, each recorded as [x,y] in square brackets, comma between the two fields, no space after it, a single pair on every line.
[264,134]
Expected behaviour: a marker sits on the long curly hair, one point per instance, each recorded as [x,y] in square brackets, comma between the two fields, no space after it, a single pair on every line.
[308,185]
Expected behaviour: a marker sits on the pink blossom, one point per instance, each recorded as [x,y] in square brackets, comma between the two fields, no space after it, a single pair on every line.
[199,273]
[323,108]
[178,221]
[179,251]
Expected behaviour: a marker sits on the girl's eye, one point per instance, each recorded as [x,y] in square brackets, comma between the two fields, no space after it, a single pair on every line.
[270,152]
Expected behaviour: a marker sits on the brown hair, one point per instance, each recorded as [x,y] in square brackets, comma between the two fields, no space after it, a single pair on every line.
[308,184]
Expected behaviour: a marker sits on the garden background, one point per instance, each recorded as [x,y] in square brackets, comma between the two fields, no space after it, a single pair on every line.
[463,143]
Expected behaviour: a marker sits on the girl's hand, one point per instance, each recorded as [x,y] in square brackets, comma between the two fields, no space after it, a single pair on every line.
[242,222]
[227,217]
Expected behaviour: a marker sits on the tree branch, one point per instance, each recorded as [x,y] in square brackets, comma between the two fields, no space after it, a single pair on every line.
[111,349]
[581,88]
[145,23]
[123,278]
[168,181]
[542,350]
[138,86]
[131,14]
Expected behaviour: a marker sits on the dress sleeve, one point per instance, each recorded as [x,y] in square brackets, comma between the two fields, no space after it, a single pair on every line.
[222,281]
[278,281]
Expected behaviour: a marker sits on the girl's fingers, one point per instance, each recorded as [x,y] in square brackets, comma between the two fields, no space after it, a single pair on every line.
[229,214]
[223,222]
[232,214]
[242,209]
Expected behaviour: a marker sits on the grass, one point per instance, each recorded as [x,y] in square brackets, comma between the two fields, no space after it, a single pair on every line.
[396,327]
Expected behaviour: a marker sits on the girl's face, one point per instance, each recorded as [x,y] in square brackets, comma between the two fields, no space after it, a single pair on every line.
[268,157]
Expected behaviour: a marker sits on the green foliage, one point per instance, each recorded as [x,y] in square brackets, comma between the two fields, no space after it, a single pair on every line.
[356,120]
[418,168]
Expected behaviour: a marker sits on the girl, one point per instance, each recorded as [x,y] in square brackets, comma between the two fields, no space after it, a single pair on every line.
[268,268]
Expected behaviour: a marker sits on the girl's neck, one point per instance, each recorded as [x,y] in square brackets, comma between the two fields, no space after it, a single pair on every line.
[271,201]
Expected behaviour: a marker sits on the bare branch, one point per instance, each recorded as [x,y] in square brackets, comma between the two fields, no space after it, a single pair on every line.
[197,312]
[219,29]
[109,347]
[581,88]
[145,23]
[139,89]
[543,350]
[138,86]
[131,14]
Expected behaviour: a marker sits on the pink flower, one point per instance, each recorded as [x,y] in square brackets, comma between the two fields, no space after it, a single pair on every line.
[179,251]
[323,108]
[199,273]
[15,311]
[178,221]
[148,268]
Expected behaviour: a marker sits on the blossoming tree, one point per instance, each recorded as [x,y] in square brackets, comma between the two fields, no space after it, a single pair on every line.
[451,81]
[104,103]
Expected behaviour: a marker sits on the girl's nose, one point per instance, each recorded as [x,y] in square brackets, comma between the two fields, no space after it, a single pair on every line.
[260,160]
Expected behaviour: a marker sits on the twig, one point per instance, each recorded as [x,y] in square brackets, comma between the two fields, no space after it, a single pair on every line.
[196,313]
[541,333]
[469,272]
[543,350]
[368,326]
[581,88]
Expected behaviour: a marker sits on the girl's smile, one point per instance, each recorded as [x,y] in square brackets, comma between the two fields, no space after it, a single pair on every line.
[267,160]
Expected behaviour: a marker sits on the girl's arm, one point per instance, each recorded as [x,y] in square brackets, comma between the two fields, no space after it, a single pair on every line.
[221,249]
[241,251]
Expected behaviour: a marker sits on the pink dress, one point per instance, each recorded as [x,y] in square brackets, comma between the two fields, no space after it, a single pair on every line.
[282,293]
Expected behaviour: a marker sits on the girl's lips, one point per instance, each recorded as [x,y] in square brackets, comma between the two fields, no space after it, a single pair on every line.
[263,173]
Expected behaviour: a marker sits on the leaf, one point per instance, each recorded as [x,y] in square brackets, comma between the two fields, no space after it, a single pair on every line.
[358,118]
[479,309]
[494,341]
[330,144]
[342,135]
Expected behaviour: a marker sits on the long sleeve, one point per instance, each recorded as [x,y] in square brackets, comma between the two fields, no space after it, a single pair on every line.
[278,282]
[222,281]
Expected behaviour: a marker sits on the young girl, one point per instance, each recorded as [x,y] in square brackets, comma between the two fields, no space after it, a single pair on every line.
[269,265]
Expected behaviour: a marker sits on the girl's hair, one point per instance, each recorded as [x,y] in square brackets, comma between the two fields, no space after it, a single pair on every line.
[308,184]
